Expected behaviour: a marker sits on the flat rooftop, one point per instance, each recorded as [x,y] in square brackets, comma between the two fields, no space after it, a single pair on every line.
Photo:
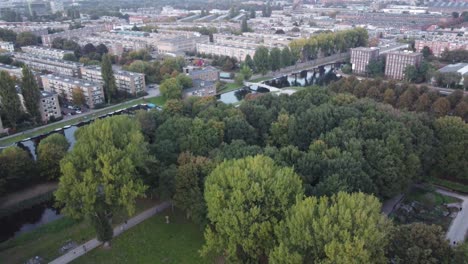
[70,80]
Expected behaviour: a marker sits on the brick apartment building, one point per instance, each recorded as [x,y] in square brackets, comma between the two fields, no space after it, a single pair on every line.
[397,62]
[360,58]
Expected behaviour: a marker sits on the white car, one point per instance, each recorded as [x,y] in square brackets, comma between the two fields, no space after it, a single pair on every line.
[78,112]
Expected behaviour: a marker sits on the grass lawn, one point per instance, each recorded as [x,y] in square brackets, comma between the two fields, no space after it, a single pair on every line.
[156,100]
[260,79]
[230,87]
[46,240]
[153,241]
[450,184]
[423,196]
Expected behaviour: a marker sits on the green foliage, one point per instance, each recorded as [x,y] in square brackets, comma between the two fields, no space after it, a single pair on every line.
[171,89]
[31,94]
[451,148]
[26,39]
[100,175]
[185,81]
[10,102]
[246,199]
[70,57]
[7,35]
[454,56]
[275,59]
[110,87]
[419,243]
[16,169]
[261,60]
[345,228]
[246,72]
[51,151]
[286,57]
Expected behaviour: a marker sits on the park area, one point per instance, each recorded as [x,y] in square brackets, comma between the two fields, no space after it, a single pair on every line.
[153,241]
[424,204]
[55,238]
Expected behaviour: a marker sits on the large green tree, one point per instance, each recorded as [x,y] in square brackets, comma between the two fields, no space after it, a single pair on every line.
[261,60]
[246,199]
[101,174]
[16,169]
[451,148]
[275,59]
[110,87]
[31,94]
[342,229]
[10,102]
[51,151]
[418,243]
[286,57]
[171,89]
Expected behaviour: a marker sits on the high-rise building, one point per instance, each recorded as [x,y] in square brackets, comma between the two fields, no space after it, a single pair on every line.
[396,63]
[46,52]
[360,58]
[49,106]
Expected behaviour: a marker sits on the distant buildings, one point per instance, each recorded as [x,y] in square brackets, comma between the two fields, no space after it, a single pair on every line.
[438,46]
[238,52]
[46,52]
[459,68]
[204,80]
[49,106]
[74,33]
[12,70]
[64,85]
[130,82]
[360,58]
[58,66]
[397,62]
[8,46]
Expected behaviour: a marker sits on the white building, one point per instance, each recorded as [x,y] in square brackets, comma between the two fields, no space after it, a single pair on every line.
[130,82]
[8,46]
[49,106]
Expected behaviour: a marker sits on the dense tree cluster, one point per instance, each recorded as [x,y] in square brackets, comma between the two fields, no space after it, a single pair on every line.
[404,96]
[454,56]
[327,44]
[156,72]
[265,60]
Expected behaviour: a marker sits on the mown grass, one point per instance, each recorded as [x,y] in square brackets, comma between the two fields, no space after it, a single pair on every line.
[153,241]
[422,196]
[455,186]
[46,240]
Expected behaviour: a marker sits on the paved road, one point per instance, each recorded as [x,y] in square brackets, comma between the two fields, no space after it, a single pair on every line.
[459,226]
[94,243]
[389,205]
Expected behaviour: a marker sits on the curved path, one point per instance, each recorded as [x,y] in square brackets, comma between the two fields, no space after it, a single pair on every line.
[94,243]
[459,226]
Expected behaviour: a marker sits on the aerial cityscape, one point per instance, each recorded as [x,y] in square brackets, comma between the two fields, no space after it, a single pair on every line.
[233,131]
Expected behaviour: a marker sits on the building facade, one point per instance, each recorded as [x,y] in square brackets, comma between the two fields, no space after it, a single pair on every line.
[12,70]
[64,85]
[397,62]
[8,46]
[360,58]
[46,52]
[130,82]
[237,52]
[439,46]
[57,66]
[49,106]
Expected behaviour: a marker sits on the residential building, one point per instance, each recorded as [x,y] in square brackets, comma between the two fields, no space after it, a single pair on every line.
[396,63]
[360,58]
[64,85]
[8,46]
[56,6]
[46,52]
[49,106]
[57,66]
[439,46]
[237,52]
[74,33]
[12,70]
[460,68]
[204,80]
[130,82]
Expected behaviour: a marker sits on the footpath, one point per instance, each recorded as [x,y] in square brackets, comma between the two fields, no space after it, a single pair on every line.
[94,243]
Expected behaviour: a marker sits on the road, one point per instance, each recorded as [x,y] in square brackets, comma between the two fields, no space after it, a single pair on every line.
[94,243]
[459,226]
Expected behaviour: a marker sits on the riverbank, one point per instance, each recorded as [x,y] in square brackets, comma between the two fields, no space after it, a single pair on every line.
[47,240]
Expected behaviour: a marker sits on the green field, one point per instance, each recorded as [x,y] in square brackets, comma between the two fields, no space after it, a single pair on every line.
[20,136]
[46,240]
[455,186]
[153,241]
[229,87]
[260,79]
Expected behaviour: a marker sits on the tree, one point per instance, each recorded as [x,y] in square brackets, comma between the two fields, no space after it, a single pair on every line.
[389,96]
[252,13]
[101,49]
[171,89]
[441,107]
[465,81]
[110,87]
[189,185]
[78,97]
[455,15]
[261,60]
[249,62]
[426,51]
[275,59]
[423,104]
[70,57]
[51,151]
[244,25]
[286,57]
[256,193]
[16,169]
[461,110]
[101,174]
[239,79]
[26,39]
[10,101]
[246,72]
[419,243]
[344,228]
[451,147]
[184,80]
[31,94]
[88,48]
